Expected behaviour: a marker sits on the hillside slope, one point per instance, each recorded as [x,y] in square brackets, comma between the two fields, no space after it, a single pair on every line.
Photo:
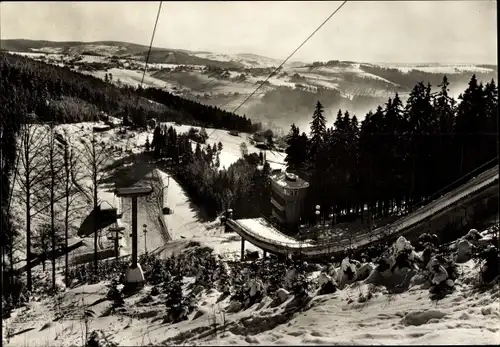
[68,96]
[225,80]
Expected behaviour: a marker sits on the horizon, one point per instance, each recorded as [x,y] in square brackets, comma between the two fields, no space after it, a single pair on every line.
[390,32]
[244,53]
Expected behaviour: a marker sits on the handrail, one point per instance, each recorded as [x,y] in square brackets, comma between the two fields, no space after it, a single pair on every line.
[481,181]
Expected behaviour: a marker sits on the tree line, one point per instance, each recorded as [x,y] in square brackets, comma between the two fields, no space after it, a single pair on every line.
[399,155]
[244,186]
[27,84]
[406,80]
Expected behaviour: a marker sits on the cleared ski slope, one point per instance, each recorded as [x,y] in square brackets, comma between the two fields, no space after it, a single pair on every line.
[263,235]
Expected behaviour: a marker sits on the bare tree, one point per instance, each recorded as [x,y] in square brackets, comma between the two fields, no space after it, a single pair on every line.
[55,165]
[72,191]
[46,234]
[94,157]
[31,173]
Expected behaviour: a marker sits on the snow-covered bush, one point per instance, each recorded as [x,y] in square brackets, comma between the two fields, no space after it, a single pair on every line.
[327,284]
[465,250]
[428,240]
[404,255]
[441,284]
[472,236]
[347,272]
[488,259]
[396,267]
[364,271]
[300,285]
[115,295]
[179,306]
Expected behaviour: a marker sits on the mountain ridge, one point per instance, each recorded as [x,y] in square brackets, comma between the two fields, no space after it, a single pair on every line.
[226,80]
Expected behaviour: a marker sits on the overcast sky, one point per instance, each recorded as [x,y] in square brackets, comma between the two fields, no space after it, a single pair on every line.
[371,31]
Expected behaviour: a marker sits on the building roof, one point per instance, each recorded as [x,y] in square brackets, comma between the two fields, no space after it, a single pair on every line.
[289,180]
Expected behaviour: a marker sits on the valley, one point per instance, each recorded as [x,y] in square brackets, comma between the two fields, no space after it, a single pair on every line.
[225,80]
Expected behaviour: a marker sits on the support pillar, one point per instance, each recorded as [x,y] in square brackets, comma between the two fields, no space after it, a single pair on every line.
[135,275]
[134,232]
[242,249]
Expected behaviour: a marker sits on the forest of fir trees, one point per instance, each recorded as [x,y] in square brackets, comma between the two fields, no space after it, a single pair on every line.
[399,155]
[395,158]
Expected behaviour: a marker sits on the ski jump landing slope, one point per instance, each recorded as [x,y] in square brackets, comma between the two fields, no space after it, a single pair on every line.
[263,235]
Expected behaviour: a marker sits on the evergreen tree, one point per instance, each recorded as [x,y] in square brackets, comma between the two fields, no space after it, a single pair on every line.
[444,110]
[470,115]
[293,155]
[318,132]
[318,124]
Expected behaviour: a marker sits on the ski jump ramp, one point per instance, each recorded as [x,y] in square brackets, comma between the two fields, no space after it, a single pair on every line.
[262,234]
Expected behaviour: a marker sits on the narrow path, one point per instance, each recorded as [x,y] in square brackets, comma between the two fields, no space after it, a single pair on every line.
[184,222]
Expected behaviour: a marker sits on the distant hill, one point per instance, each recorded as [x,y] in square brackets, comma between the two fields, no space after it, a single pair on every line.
[226,79]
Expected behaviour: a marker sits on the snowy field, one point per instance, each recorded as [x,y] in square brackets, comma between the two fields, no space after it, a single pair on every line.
[231,146]
[131,78]
[437,68]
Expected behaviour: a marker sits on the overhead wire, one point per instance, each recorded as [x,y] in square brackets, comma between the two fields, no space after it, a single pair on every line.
[284,61]
[149,51]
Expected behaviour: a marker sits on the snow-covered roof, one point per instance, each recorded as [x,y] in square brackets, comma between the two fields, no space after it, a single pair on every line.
[289,180]
[107,200]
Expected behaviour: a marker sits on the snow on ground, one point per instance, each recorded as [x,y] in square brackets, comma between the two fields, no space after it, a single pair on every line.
[231,146]
[281,82]
[184,223]
[464,317]
[263,230]
[130,77]
[35,54]
[438,68]
[247,60]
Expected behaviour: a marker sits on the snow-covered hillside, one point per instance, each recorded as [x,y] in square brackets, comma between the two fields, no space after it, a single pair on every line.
[231,146]
[448,69]
[227,80]
[247,60]
[356,313]
[359,313]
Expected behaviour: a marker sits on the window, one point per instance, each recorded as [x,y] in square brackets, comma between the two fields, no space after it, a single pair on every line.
[278,199]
